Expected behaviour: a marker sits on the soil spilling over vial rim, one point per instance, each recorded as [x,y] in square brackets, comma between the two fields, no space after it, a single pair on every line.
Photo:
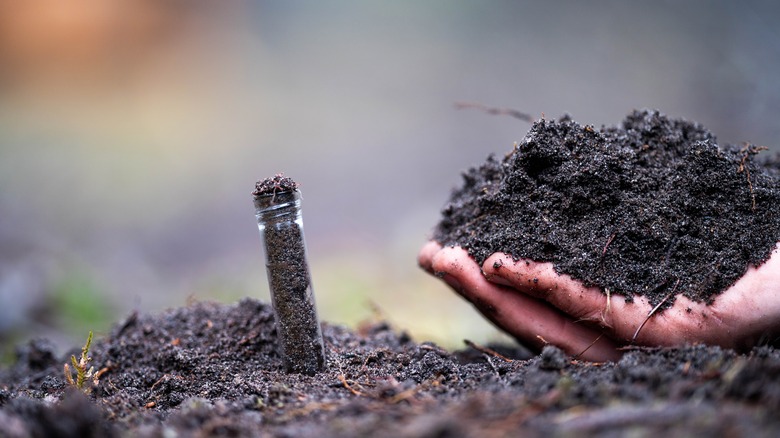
[640,209]
[278,209]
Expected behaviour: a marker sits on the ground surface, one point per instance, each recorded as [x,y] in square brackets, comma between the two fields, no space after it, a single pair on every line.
[211,369]
[650,207]
[637,208]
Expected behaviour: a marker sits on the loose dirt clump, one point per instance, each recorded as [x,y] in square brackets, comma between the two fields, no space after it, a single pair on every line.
[213,370]
[649,207]
[637,209]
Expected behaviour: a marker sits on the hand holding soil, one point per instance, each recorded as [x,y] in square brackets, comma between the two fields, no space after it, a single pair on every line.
[647,233]
[532,302]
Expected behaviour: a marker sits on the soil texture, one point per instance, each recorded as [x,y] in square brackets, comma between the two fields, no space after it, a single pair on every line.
[650,207]
[635,209]
[213,370]
[277,183]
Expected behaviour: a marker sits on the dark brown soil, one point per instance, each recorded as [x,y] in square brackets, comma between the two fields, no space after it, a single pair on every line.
[293,299]
[277,183]
[633,209]
[640,209]
[213,370]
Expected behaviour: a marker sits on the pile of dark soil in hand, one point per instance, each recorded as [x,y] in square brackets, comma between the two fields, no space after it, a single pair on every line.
[213,370]
[651,207]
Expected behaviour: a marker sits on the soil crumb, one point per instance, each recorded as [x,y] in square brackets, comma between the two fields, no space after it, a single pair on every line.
[277,183]
[213,370]
[650,207]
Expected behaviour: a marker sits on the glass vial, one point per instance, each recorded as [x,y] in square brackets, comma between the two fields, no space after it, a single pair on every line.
[281,228]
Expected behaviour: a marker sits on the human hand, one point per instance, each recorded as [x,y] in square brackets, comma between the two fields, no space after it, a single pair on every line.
[536,305]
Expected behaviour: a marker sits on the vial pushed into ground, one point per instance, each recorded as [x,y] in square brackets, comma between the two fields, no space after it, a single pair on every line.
[278,210]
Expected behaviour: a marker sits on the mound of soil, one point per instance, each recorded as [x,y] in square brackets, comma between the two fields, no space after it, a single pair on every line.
[213,370]
[640,209]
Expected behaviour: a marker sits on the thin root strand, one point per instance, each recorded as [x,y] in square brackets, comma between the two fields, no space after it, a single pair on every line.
[655,309]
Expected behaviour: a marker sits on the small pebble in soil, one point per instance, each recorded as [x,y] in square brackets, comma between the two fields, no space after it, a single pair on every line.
[552,358]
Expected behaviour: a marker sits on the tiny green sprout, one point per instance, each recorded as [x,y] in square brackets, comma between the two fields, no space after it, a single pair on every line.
[80,366]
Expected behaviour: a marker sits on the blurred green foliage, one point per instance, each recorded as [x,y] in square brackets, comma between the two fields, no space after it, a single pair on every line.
[79,305]
[7,354]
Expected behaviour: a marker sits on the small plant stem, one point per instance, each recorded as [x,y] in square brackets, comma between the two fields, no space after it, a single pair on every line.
[80,367]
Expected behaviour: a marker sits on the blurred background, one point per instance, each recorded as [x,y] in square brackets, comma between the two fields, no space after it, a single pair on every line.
[132,132]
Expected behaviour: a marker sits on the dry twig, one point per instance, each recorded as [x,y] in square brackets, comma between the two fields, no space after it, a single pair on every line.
[344,382]
[496,111]
[655,309]
[486,350]
[747,151]
[577,356]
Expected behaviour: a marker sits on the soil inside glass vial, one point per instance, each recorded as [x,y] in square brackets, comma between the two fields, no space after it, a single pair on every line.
[277,202]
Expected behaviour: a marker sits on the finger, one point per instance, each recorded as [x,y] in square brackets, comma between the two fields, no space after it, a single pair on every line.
[425,256]
[632,321]
[534,278]
[635,321]
[539,279]
[747,313]
[752,304]
[531,321]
